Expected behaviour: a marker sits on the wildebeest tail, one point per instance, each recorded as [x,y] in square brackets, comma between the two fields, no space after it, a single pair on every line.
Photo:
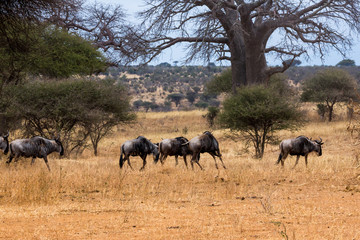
[7,146]
[121,161]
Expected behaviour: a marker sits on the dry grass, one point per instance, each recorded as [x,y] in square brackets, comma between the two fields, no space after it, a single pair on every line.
[91,198]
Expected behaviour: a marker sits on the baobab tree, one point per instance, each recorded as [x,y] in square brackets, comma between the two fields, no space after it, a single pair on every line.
[239,31]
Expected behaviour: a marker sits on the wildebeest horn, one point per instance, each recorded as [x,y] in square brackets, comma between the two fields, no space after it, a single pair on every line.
[185,143]
[319,141]
[56,136]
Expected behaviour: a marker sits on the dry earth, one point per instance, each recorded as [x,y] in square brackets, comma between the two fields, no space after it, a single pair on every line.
[91,198]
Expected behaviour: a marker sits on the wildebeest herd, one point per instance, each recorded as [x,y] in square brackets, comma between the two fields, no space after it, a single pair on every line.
[179,146]
[40,147]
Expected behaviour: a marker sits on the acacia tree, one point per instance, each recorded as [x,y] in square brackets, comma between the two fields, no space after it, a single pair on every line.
[256,113]
[78,110]
[176,98]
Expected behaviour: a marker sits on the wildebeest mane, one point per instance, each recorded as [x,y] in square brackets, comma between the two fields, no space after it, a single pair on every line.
[214,143]
[143,145]
[182,139]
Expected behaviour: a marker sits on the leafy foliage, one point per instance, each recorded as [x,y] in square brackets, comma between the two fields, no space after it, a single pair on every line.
[63,54]
[50,52]
[220,83]
[211,115]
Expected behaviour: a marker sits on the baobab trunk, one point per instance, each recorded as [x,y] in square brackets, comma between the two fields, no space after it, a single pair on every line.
[248,67]
[256,64]
[238,60]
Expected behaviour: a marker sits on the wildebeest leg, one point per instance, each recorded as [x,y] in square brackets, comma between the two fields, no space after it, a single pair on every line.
[213,155]
[163,159]
[161,156]
[176,160]
[197,157]
[199,165]
[222,162]
[279,159]
[46,161]
[297,160]
[192,160]
[306,160]
[219,155]
[32,160]
[185,161]
[11,158]
[283,159]
[128,160]
[144,162]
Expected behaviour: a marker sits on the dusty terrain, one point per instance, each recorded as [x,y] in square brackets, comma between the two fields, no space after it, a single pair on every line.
[91,198]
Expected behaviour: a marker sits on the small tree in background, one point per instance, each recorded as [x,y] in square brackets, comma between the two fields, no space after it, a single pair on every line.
[211,115]
[321,110]
[346,63]
[109,108]
[176,98]
[329,86]
[220,83]
[256,113]
[191,96]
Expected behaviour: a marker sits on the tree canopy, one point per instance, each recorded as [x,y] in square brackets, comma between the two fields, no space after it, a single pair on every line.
[50,52]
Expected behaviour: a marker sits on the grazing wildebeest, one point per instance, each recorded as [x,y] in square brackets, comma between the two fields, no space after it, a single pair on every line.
[173,147]
[300,146]
[138,147]
[204,143]
[4,143]
[35,147]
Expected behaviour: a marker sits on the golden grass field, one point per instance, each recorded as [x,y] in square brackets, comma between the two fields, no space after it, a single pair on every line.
[91,198]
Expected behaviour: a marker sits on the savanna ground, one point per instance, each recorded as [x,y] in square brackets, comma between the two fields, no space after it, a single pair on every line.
[91,198]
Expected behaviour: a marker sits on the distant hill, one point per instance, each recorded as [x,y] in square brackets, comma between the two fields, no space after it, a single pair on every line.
[153,84]
[155,87]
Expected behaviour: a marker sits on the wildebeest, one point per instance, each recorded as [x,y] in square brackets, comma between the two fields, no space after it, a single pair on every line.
[300,146]
[140,146]
[204,143]
[173,147]
[35,147]
[4,143]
